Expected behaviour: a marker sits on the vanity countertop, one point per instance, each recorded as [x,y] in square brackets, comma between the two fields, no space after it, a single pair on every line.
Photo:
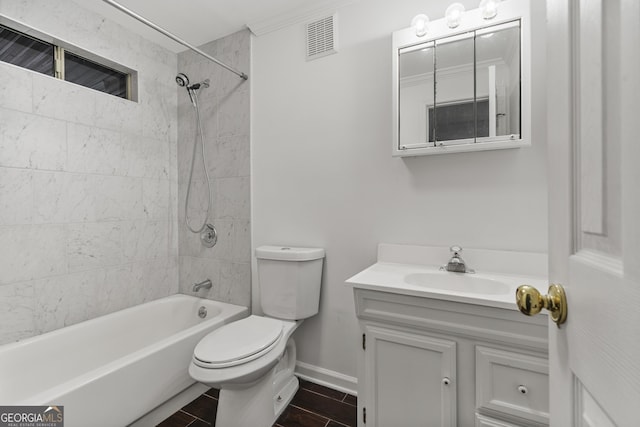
[480,288]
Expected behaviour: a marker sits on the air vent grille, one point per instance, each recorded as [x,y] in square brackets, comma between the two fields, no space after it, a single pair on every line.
[321,37]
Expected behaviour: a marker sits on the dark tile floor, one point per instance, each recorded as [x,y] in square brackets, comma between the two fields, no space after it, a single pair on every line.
[312,406]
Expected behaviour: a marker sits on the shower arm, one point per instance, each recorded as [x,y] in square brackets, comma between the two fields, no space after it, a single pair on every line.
[175,38]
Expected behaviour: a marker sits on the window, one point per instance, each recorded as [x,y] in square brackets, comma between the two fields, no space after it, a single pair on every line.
[38,55]
[95,76]
[24,51]
[456,120]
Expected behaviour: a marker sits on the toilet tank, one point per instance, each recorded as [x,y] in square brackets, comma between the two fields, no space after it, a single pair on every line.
[289,280]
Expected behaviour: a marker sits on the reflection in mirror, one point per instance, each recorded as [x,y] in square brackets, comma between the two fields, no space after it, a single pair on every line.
[452,116]
[415,92]
[498,76]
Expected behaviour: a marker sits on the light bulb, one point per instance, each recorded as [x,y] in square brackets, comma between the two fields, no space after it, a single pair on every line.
[454,15]
[489,8]
[421,24]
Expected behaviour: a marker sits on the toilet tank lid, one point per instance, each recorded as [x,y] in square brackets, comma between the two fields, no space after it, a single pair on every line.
[289,253]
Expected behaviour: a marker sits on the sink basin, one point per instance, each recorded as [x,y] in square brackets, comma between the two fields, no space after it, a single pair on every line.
[457,282]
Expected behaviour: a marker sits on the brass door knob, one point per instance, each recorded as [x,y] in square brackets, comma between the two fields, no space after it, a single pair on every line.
[531,302]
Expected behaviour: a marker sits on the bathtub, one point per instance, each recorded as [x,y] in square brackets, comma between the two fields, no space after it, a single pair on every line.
[111,370]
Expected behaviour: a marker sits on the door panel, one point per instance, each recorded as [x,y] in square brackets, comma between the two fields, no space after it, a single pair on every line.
[591,414]
[594,209]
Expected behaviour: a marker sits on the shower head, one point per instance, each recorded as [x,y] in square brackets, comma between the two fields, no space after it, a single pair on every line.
[182,80]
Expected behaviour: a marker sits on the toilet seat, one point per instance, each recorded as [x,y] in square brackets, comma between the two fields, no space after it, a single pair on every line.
[238,343]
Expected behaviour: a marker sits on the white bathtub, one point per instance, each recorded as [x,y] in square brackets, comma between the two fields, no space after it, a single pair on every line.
[111,370]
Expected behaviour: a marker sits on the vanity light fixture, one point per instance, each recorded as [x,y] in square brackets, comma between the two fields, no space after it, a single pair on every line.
[421,24]
[489,8]
[454,14]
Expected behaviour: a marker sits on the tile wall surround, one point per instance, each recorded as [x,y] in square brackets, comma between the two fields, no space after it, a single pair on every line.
[224,108]
[88,181]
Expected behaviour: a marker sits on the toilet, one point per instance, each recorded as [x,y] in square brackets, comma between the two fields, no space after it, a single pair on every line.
[252,360]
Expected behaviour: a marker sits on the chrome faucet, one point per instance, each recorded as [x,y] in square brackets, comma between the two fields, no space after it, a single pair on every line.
[205,284]
[456,264]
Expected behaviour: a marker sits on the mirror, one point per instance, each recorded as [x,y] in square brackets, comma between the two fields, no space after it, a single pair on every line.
[416,91]
[453,110]
[498,78]
[461,92]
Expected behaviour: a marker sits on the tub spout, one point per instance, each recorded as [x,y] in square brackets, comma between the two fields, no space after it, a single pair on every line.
[205,284]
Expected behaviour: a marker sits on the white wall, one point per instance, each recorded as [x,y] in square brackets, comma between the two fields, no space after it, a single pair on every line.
[88,181]
[323,175]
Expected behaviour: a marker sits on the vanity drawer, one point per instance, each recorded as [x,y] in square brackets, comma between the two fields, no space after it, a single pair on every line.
[512,383]
[482,421]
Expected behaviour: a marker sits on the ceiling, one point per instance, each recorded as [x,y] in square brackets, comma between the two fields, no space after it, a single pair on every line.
[201,21]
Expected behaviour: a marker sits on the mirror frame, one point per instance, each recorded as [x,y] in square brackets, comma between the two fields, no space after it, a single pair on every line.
[509,10]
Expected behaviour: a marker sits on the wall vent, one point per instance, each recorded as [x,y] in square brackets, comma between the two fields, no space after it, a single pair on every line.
[322,37]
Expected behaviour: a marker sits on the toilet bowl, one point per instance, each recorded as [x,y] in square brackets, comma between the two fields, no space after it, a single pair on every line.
[252,360]
[254,372]
[241,352]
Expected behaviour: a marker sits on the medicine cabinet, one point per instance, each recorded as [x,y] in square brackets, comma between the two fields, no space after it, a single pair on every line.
[463,89]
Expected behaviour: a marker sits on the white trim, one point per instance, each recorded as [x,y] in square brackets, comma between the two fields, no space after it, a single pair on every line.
[327,378]
[296,16]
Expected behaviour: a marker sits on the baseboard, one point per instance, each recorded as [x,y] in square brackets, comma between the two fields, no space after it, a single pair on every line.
[327,378]
[168,408]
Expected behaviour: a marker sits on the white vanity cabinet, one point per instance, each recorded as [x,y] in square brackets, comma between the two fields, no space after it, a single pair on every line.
[432,362]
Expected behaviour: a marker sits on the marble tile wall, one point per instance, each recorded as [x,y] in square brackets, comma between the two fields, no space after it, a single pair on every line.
[224,108]
[88,181]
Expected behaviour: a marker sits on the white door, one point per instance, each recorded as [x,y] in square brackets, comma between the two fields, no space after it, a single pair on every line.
[593,114]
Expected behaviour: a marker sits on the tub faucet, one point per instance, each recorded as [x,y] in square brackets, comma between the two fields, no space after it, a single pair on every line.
[205,284]
[456,264]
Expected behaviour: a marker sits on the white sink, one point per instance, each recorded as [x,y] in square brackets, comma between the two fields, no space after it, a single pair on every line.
[458,282]
[483,288]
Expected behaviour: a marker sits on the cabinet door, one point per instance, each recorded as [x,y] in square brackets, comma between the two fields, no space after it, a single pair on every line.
[410,379]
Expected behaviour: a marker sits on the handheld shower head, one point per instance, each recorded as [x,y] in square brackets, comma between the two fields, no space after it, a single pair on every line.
[182,80]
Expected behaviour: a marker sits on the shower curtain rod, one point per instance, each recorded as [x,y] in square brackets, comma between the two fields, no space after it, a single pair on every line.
[174,38]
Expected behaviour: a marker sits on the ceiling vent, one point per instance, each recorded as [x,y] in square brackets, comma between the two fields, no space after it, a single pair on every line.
[322,37]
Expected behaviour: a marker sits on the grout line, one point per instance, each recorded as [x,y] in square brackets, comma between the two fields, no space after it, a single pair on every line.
[210,397]
[310,411]
[344,400]
[186,413]
[197,418]
[324,395]
[322,416]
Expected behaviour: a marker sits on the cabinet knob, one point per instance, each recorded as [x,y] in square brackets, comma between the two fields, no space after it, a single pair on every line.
[523,389]
[446,381]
